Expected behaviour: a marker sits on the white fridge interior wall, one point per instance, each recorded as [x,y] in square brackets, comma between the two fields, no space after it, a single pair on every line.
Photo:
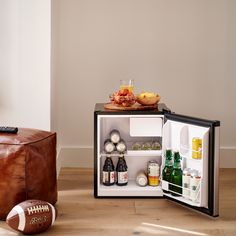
[136,160]
[160,47]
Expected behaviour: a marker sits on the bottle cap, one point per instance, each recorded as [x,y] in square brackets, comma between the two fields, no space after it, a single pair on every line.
[187,171]
[121,155]
[168,153]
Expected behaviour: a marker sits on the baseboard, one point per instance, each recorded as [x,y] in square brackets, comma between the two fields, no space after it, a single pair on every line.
[228,157]
[76,157]
[83,157]
[59,161]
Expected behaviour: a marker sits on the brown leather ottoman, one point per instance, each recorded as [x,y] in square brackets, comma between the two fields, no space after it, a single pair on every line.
[27,168]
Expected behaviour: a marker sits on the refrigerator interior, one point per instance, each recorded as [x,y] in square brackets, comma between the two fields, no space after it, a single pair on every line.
[178,136]
[132,129]
[148,128]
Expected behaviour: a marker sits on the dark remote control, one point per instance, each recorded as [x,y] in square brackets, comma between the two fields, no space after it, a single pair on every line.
[11,130]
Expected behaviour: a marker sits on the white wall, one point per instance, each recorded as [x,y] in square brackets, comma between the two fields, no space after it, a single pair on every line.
[25,28]
[184,50]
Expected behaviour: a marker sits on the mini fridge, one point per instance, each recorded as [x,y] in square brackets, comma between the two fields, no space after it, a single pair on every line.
[172,131]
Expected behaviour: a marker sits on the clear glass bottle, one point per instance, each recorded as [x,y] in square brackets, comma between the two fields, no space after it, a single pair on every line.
[176,176]
[166,173]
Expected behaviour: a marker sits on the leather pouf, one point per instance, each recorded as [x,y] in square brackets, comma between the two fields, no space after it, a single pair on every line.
[27,168]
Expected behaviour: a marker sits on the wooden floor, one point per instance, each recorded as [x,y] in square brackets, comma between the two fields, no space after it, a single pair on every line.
[81,214]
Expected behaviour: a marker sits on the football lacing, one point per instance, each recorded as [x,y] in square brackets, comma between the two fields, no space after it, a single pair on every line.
[38,209]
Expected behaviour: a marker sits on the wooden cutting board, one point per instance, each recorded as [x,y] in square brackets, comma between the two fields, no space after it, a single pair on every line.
[134,107]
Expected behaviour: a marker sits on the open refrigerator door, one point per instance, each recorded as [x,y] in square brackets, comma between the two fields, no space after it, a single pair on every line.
[196,140]
[179,136]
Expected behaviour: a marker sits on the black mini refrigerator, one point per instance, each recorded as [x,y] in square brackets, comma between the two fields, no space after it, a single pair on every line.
[173,132]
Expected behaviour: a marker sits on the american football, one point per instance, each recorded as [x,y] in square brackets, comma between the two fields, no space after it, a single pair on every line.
[31,216]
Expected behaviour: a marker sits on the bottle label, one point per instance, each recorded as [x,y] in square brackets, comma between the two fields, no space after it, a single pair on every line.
[122,177]
[186,185]
[112,177]
[106,175]
[153,180]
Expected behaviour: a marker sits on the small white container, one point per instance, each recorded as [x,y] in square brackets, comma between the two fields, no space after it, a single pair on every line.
[186,182]
[195,182]
[141,179]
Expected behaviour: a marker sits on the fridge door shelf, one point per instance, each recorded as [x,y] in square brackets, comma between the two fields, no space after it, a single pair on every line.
[186,152]
[191,197]
[144,152]
[131,189]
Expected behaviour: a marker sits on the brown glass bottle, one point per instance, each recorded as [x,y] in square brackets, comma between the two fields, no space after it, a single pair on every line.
[108,174]
[122,171]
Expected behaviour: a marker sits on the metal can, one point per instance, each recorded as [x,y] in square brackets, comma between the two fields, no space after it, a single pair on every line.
[200,149]
[186,182]
[141,179]
[153,173]
[196,148]
[195,183]
[109,146]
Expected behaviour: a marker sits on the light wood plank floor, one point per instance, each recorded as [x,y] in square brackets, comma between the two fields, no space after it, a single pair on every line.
[81,214]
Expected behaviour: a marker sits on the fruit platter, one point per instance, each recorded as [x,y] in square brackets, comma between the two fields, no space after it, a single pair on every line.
[124,99]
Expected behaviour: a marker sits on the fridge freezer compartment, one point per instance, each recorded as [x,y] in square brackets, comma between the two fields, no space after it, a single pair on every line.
[146,126]
[186,195]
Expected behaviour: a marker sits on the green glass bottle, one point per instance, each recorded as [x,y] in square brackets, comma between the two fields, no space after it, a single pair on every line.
[166,173]
[176,176]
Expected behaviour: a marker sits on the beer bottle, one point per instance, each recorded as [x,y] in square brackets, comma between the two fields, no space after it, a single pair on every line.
[166,173]
[109,146]
[108,174]
[121,146]
[115,136]
[176,176]
[122,171]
